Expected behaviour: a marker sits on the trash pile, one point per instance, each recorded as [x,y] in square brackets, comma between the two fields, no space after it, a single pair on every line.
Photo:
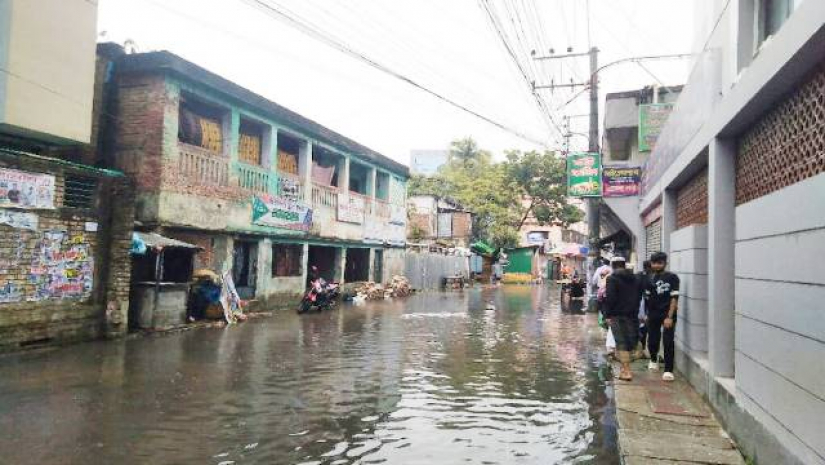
[398,287]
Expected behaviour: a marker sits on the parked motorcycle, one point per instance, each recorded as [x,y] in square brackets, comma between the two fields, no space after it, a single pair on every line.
[321,295]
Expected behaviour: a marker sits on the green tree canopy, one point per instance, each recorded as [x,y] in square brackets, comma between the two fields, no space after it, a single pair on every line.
[494,192]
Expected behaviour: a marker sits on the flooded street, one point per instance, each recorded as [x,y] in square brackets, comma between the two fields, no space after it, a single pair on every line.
[439,378]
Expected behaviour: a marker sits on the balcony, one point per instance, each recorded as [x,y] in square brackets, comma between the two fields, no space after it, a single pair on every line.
[324,196]
[256,179]
[203,166]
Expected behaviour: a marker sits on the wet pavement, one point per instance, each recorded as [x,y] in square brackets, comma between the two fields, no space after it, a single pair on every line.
[438,378]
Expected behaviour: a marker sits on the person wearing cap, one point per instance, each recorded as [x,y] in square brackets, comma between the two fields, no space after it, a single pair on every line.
[621,308]
[661,302]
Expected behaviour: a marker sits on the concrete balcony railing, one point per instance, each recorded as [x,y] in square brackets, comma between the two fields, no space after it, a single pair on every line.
[324,196]
[203,166]
[256,179]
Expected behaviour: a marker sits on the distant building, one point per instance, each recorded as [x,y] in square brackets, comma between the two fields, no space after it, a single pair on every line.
[427,162]
[435,219]
[624,148]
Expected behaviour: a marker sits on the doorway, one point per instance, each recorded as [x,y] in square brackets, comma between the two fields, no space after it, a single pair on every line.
[358,265]
[245,268]
[323,258]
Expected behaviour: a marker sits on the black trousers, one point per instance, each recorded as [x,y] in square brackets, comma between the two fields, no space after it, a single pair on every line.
[625,332]
[655,332]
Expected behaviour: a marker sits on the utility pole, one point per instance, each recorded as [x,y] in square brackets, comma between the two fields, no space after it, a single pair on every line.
[593,203]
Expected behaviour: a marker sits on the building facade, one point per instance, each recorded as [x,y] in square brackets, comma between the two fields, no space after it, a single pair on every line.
[735,192]
[65,227]
[623,157]
[264,192]
[434,219]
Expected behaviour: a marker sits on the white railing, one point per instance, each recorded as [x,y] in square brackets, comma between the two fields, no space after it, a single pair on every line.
[203,166]
[324,196]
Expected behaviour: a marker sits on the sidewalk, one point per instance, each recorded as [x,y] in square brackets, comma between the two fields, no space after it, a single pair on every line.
[668,423]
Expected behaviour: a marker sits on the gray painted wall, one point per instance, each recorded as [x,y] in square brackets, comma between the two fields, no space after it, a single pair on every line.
[780,329]
[689,259]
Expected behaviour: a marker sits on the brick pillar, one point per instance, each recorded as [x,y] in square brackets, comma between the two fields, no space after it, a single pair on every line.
[118,266]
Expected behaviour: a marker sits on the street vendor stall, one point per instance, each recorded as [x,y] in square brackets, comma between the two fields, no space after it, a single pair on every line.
[161,271]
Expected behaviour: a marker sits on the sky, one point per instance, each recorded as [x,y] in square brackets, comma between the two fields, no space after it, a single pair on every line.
[448,46]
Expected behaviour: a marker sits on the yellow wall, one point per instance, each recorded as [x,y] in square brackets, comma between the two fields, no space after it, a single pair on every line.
[47,49]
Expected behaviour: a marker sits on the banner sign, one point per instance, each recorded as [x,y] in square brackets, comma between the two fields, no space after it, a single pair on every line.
[621,181]
[351,208]
[652,119]
[19,189]
[18,220]
[280,212]
[583,175]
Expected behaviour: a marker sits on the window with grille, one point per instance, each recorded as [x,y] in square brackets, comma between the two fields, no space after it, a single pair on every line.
[286,259]
[79,192]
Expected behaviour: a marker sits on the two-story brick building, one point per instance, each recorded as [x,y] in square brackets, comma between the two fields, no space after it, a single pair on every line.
[263,190]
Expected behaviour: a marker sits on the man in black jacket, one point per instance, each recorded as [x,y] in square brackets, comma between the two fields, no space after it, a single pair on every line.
[661,303]
[621,308]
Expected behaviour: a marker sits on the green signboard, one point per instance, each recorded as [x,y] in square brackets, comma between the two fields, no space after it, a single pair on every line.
[652,119]
[584,175]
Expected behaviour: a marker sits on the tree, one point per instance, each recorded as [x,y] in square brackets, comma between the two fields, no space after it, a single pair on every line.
[541,180]
[494,191]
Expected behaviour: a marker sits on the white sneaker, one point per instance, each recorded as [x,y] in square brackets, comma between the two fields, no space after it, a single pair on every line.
[667,376]
[653,366]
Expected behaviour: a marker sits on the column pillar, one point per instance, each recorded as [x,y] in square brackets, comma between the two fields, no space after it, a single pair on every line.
[305,262]
[341,264]
[343,174]
[372,180]
[305,169]
[721,256]
[668,218]
[371,267]
[270,147]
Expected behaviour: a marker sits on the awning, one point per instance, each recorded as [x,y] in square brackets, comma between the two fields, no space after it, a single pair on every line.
[142,240]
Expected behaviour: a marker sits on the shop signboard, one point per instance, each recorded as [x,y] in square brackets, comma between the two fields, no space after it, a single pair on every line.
[281,212]
[621,181]
[584,175]
[652,119]
[20,189]
[351,208]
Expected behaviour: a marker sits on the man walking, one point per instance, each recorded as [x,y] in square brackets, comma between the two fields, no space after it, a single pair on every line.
[623,296]
[661,303]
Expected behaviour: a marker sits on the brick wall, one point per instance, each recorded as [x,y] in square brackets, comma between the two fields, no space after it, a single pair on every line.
[692,201]
[462,224]
[58,280]
[140,104]
[205,259]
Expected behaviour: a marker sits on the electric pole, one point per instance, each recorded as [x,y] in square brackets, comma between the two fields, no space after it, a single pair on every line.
[593,203]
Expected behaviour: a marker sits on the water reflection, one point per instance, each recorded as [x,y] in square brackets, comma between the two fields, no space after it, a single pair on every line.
[485,376]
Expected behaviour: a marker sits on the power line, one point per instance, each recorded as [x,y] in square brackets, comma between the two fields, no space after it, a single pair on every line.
[283,15]
[502,36]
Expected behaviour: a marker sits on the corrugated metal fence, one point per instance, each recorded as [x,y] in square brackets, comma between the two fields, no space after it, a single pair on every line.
[427,271]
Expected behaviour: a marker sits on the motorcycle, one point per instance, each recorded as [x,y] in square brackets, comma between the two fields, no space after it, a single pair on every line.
[321,295]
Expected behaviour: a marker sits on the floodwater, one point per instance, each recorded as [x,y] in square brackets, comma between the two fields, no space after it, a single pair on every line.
[438,378]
